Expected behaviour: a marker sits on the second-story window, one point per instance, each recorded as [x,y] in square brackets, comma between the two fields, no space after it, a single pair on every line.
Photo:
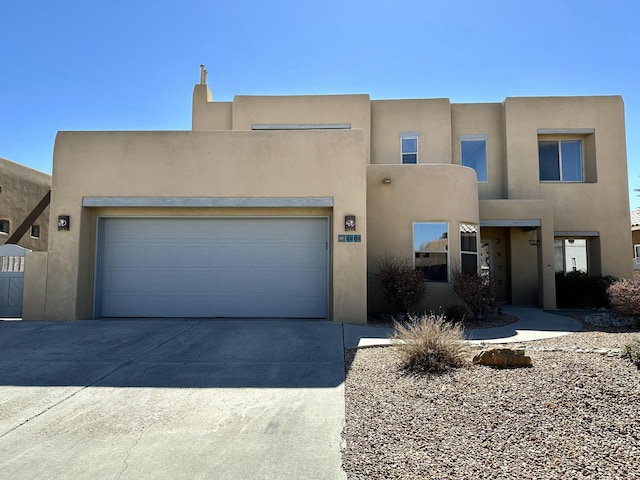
[560,160]
[409,148]
[473,154]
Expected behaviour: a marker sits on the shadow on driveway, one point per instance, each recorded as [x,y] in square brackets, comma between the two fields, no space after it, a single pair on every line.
[172,353]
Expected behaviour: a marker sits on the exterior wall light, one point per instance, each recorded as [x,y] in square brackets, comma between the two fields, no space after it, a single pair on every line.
[63,222]
[386,181]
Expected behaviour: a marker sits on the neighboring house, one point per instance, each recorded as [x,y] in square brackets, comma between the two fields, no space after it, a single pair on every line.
[635,238]
[282,206]
[21,190]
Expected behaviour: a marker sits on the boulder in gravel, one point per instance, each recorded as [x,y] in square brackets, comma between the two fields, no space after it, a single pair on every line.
[502,358]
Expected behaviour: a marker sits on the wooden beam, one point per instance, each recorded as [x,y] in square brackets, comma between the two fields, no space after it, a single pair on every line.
[27,222]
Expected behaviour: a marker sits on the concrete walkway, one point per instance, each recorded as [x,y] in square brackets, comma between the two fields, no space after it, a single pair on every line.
[533,324]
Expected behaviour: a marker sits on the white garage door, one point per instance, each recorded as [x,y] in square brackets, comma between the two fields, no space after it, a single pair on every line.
[212,267]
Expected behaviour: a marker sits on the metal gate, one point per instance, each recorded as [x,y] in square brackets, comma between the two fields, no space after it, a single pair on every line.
[12,262]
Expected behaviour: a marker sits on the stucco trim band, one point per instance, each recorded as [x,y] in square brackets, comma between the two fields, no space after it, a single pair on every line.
[510,223]
[198,202]
[575,233]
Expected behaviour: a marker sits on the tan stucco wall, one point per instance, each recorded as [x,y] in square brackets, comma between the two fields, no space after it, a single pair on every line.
[35,286]
[602,206]
[418,193]
[204,164]
[482,119]
[431,118]
[207,114]
[22,189]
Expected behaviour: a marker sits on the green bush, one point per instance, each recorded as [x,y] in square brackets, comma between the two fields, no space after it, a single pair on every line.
[631,351]
[624,297]
[480,292]
[579,290]
[431,344]
[402,284]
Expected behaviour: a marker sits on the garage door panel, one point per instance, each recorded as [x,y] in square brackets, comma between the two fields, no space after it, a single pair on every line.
[197,255]
[120,305]
[157,280]
[122,280]
[268,256]
[234,232]
[229,281]
[234,306]
[187,306]
[308,255]
[122,255]
[187,282]
[305,306]
[272,281]
[234,256]
[307,281]
[123,232]
[160,255]
[213,267]
[157,306]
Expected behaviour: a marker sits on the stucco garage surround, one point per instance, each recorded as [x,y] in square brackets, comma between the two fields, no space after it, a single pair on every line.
[212,267]
[218,165]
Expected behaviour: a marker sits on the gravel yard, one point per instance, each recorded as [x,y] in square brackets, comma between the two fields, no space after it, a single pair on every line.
[574,414]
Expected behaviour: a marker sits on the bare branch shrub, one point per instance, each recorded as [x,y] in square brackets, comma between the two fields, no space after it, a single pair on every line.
[402,284]
[481,293]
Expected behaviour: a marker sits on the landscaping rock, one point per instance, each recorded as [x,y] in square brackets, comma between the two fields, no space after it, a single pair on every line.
[502,358]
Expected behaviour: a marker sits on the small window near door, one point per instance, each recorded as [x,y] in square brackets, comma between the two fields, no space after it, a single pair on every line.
[469,248]
[35,231]
[4,226]
[636,249]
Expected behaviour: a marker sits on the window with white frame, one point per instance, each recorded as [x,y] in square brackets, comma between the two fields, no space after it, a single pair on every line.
[469,248]
[4,226]
[560,160]
[473,154]
[409,147]
[35,231]
[570,255]
[431,250]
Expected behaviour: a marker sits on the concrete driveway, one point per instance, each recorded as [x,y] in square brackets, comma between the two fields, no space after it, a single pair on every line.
[136,399]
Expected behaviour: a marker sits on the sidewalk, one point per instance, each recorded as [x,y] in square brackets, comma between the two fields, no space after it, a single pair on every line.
[533,324]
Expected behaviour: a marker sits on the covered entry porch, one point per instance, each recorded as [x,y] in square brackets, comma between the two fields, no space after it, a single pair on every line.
[517,247]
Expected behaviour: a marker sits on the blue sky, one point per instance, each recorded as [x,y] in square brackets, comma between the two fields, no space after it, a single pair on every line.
[131,65]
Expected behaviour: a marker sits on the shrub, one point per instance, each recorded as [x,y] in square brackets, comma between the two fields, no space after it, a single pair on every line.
[579,290]
[632,351]
[455,313]
[480,292]
[431,344]
[624,297]
[402,284]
